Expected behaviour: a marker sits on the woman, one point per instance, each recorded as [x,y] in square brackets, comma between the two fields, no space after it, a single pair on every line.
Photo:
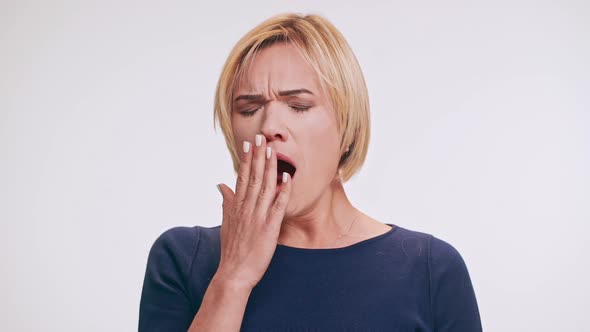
[292,253]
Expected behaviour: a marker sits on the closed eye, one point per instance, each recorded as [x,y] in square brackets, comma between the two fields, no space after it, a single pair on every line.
[300,108]
[297,109]
[249,113]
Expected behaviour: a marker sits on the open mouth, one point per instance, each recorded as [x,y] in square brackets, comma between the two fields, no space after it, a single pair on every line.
[284,166]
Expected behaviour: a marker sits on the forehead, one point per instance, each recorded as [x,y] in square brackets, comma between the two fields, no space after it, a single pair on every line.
[278,67]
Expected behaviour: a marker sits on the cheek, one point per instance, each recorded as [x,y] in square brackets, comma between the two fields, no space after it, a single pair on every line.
[326,132]
[322,145]
[242,132]
[323,155]
[320,125]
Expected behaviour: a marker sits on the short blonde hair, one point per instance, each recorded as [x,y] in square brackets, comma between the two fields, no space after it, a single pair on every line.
[340,75]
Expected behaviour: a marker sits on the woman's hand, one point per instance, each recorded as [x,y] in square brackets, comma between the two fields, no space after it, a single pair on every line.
[252,217]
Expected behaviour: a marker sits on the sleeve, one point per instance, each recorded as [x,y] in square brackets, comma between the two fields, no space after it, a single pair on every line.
[165,303]
[453,302]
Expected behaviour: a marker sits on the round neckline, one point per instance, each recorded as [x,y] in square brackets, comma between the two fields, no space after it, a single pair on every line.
[350,247]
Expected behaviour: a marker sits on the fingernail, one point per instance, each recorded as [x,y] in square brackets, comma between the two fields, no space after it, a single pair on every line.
[219,188]
[268,152]
[258,140]
[285,176]
[246,146]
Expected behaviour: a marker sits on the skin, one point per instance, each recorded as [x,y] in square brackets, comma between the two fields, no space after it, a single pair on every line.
[302,126]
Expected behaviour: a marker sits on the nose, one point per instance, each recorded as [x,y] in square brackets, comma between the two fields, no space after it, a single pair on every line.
[274,125]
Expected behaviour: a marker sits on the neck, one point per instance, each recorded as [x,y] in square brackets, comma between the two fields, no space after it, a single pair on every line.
[320,224]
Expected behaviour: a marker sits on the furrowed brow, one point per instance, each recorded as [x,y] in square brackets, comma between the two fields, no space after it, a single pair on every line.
[249,97]
[294,92]
[260,97]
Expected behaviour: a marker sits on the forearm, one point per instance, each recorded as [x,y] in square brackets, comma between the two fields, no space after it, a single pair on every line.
[222,309]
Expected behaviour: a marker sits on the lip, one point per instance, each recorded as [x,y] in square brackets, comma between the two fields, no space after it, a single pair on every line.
[286,158]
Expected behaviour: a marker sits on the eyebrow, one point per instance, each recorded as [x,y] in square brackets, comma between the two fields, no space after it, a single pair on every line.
[281,93]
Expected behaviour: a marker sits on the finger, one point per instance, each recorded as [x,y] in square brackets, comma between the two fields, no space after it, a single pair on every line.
[279,206]
[256,175]
[243,173]
[269,186]
[228,197]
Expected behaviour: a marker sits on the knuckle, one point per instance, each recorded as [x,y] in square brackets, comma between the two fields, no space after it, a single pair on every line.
[257,217]
[232,211]
[239,201]
[276,207]
[243,158]
[281,202]
[265,191]
[273,213]
[243,214]
[255,180]
[242,178]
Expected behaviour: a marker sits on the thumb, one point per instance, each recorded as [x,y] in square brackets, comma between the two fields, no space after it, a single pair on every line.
[226,192]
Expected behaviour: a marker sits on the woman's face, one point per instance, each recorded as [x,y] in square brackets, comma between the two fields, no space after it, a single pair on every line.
[287,107]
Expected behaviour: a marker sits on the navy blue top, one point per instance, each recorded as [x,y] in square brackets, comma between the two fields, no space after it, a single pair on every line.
[401,280]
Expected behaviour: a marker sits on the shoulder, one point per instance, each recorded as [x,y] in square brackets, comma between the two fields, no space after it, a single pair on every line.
[177,238]
[412,243]
[174,247]
[438,251]
[179,245]
[167,298]
[444,257]
[452,296]
[181,237]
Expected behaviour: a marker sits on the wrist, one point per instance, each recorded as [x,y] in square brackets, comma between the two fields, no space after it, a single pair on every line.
[233,285]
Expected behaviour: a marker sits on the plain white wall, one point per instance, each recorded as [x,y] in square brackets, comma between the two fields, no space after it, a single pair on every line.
[480,136]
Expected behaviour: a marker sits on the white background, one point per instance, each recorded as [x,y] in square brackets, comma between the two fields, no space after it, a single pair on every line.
[481,137]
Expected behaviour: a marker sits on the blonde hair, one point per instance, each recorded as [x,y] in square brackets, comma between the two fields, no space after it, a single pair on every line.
[340,75]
